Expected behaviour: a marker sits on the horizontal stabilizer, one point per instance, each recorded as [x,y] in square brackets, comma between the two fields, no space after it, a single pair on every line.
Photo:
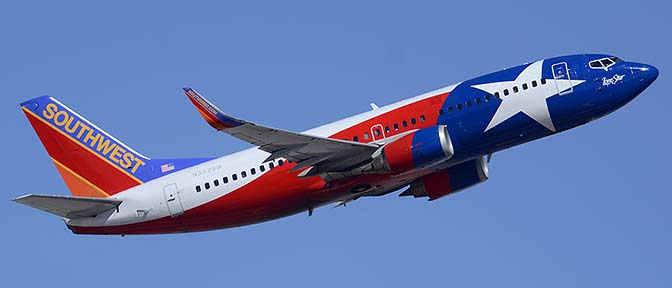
[69,207]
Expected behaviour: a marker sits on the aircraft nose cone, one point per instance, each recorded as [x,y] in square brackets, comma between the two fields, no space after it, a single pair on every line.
[644,73]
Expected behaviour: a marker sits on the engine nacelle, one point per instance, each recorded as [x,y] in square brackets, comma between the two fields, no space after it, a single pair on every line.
[450,180]
[416,150]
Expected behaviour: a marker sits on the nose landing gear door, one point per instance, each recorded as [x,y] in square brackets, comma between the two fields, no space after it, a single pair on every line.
[563,81]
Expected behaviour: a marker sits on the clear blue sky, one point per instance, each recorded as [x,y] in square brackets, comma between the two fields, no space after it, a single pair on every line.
[589,207]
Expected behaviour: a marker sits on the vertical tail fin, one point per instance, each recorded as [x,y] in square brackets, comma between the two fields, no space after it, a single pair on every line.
[92,162]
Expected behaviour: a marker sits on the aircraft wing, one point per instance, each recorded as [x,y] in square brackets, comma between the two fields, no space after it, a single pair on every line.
[325,154]
[69,207]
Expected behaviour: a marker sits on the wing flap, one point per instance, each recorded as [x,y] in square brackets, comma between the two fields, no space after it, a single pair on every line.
[69,207]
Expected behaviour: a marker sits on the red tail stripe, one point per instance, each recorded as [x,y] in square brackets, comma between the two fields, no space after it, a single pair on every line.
[80,160]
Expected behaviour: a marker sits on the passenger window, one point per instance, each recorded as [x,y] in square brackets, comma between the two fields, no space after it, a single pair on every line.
[506,92]
[216,182]
[243,174]
[262,168]
[207,185]
[387,129]
[497,95]
[234,177]
[487,98]
[271,165]
[281,162]
[376,131]
[356,139]
[524,86]
[534,83]
[515,89]
[413,121]
[422,118]
[459,106]
[396,126]
[404,123]
[440,112]
[450,109]
[225,180]
[366,136]
[253,171]
[478,100]
[198,188]
[543,81]
[468,103]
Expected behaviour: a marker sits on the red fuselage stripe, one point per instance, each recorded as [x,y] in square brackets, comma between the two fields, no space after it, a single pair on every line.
[280,193]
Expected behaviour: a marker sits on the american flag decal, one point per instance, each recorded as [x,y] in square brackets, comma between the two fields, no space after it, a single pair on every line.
[167,167]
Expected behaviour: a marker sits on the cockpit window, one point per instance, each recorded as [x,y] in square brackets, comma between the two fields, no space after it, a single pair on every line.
[616,59]
[604,63]
[596,64]
[607,62]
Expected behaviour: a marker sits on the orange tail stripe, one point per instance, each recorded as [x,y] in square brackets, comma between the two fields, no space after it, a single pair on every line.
[77,184]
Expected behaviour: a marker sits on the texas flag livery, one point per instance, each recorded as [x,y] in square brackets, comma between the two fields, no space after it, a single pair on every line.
[431,145]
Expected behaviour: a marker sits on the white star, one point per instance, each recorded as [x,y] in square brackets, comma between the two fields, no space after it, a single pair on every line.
[531,101]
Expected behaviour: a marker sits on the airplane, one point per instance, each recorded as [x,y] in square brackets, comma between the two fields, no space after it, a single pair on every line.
[431,145]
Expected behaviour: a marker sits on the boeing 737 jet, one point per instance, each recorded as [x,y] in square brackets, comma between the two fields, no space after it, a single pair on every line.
[431,145]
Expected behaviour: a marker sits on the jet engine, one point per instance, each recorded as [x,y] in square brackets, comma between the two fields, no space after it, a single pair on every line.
[417,150]
[450,180]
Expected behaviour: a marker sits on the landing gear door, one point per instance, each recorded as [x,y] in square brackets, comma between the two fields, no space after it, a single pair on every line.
[173,200]
[563,81]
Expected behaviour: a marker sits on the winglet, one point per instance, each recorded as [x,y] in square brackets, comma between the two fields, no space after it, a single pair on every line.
[215,117]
